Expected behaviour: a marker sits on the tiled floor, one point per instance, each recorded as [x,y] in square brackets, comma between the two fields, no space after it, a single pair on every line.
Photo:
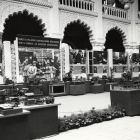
[76,104]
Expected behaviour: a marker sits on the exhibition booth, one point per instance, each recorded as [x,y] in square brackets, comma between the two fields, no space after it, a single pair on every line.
[35,69]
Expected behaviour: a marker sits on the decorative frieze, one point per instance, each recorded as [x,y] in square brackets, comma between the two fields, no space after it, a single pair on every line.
[37,2]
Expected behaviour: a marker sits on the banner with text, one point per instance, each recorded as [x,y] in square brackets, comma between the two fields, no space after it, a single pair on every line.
[39,42]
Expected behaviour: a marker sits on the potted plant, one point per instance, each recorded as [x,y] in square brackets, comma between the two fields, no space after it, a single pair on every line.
[126,96]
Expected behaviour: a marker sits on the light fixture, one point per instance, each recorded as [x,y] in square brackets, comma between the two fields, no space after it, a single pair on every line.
[126,6]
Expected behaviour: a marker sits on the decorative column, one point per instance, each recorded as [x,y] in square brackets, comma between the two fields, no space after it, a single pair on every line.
[65,63]
[7,59]
[99,22]
[17,61]
[128,61]
[110,61]
[133,28]
[54,19]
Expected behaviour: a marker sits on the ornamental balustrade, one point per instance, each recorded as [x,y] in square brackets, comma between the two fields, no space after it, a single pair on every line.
[115,12]
[79,4]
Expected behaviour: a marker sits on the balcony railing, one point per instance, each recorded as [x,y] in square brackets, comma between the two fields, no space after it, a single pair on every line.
[115,12]
[79,4]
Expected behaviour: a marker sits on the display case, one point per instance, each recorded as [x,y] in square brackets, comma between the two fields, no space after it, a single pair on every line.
[57,89]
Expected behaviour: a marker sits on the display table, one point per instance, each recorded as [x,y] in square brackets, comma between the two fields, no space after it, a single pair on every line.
[110,86]
[87,86]
[97,88]
[43,120]
[129,99]
[14,127]
[77,88]
[9,86]
[36,89]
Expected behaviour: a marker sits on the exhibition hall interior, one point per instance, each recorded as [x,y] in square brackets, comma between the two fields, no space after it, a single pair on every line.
[62,48]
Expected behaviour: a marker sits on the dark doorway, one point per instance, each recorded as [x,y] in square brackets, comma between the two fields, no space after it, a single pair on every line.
[78,35]
[115,39]
[24,23]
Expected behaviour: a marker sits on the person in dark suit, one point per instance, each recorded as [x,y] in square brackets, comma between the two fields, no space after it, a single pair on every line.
[78,58]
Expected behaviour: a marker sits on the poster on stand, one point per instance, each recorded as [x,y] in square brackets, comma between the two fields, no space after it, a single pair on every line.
[120,62]
[78,63]
[119,58]
[100,57]
[77,56]
[99,60]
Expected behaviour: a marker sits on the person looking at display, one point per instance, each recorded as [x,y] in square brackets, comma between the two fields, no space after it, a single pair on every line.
[31,72]
[78,58]
[25,68]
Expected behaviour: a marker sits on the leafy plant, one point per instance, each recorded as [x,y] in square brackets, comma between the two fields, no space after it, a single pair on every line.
[67,77]
[127,76]
[90,117]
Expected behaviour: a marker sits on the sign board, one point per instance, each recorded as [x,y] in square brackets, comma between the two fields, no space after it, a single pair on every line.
[38,42]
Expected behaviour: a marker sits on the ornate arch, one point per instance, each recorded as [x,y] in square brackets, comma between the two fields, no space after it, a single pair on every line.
[24,23]
[78,34]
[115,39]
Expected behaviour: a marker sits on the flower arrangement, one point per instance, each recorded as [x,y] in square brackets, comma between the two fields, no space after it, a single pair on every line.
[126,75]
[95,79]
[8,81]
[67,77]
[84,119]
[49,100]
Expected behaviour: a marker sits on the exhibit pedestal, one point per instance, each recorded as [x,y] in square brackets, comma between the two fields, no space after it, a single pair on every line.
[57,89]
[77,89]
[97,88]
[15,126]
[43,120]
[128,99]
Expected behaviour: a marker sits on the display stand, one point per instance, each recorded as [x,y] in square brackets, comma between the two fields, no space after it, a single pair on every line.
[97,88]
[77,88]
[57,89]
[15,126]
[128,99]
[43,120]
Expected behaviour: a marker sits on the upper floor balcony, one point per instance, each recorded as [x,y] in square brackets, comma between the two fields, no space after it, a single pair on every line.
[82,6]
[88,7]
[114,13]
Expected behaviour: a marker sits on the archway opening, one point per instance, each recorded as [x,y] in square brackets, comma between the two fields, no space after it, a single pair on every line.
[77,34]
[115,39]
[24,23]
